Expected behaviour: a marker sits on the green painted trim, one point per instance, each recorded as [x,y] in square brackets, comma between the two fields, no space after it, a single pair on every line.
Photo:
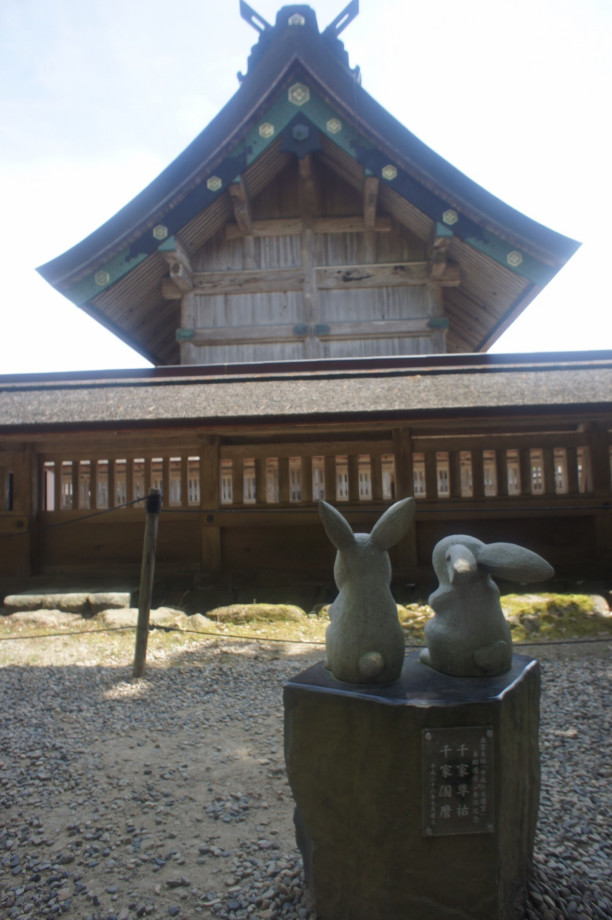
[515,260]
[184,335]
[438,322]
[168,245]
[316,110]
[85,290]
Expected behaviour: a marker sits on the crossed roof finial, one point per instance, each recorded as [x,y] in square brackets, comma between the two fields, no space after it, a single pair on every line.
[338,25]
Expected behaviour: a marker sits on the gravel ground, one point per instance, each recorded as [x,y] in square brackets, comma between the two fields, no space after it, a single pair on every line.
[166,797]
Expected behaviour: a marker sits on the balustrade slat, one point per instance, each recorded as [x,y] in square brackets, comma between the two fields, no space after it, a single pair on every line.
[307,479]
[478,485]
[330,479]
[377,477]
[353,475]
[431,475]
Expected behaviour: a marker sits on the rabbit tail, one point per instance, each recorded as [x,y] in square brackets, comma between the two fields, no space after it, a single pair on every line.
[371,664]
[494,659]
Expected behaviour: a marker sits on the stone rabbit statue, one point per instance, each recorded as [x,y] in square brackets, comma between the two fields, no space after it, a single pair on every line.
[364,640]
[469,635]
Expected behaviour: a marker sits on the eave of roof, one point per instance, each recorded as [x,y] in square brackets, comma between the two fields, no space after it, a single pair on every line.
[292,392]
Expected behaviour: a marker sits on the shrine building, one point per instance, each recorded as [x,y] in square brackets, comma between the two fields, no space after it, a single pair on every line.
[317,291]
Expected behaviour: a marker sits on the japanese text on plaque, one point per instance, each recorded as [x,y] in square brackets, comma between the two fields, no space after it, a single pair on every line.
[457,781]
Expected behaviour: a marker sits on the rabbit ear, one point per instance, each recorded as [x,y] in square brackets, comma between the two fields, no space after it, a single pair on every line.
[391,527]
[336,527]
[507,560]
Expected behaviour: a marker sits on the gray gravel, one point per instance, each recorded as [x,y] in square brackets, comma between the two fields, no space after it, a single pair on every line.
[167,797]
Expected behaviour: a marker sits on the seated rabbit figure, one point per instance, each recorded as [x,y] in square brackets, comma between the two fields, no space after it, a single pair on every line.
[364,640]
[469,635]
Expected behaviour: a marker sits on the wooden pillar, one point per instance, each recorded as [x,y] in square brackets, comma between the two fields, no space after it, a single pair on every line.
[237,481]
[571,460]
[376,475]
[431,475]
[525,465]
[404,471]
[404,488]
[184,481]
[58,485]
[501,464]
[76,468]
[353,477]
[129,479]
[284,485]
[310,291]
[478,489]
[548,470]
[260,481]
[330,479]
[148,475]
[454,473]
[599,447]
[93,484]
[112,485]
[166,481]
[307,479]
[210,532]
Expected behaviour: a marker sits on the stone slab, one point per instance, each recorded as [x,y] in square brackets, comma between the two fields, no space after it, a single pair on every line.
[354,756]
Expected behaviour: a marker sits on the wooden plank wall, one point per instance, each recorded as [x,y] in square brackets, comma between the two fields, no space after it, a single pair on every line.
[310,271]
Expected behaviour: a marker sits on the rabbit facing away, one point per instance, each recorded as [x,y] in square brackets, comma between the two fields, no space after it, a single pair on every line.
[469,635]
[364,640]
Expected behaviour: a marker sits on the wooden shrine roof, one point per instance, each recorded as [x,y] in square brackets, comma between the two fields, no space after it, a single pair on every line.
[357,391]
[299,77]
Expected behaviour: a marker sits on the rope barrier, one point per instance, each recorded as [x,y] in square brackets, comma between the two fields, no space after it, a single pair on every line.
[200,632]
[83,517]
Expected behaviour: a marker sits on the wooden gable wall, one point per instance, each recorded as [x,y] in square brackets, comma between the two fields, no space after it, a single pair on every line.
[311,267]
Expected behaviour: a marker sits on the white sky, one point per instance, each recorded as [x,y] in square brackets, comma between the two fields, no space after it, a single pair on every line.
[97,97]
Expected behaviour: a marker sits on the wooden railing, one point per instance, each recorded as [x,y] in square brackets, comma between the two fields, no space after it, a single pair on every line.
[433,469]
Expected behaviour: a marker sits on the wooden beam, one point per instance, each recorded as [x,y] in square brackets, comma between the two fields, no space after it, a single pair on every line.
[279,332]
[181,272]
[439,258]
[397,274]
[249,282]
[307,188]
[338,277]
[292,226]
[370,198]
[242,207]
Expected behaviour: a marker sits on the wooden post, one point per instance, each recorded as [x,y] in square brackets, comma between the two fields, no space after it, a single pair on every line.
[307,479]
[376,476]
[454,469]
[147,571]
[210,532]
[478,485]
[407,553]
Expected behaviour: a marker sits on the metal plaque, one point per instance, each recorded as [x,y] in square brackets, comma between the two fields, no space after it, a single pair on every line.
[457,781]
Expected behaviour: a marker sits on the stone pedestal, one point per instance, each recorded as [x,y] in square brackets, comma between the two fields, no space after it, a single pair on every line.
[417,799]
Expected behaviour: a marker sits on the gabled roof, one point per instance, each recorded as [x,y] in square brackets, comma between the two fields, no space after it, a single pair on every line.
[300,78]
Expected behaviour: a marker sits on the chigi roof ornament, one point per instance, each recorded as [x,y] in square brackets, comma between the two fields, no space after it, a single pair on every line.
[298,18]
[343,19]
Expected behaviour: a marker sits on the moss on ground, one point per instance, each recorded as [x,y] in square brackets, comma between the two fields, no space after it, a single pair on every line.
[537,617]
[532,618]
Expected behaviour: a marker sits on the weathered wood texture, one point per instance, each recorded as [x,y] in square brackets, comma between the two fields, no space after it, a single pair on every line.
[309,269]
[245,502]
